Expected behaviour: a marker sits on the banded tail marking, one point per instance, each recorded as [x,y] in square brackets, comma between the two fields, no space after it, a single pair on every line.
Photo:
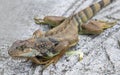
[84,15]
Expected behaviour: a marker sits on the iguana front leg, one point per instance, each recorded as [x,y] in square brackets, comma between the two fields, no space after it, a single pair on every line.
[61,48]
[95,27]
[51,20]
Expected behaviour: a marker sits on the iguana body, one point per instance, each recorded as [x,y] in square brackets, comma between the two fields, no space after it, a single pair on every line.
[48,47]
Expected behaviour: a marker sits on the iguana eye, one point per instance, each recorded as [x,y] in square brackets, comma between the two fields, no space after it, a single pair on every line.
[21,47]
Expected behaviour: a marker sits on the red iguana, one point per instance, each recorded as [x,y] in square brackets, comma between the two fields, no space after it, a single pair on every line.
[46,48]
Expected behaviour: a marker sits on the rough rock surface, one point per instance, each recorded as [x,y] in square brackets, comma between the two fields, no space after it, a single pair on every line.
[101,52]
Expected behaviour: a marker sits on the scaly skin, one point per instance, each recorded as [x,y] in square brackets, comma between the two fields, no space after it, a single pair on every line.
[46,48]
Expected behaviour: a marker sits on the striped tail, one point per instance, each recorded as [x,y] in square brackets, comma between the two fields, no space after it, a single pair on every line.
[84,15]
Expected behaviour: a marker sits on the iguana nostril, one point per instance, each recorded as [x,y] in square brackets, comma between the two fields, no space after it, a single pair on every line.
[10,52]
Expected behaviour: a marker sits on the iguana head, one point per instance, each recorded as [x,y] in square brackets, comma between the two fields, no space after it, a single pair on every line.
[44,47]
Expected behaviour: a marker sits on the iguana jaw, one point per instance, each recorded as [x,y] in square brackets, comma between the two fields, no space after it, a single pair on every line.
[28,52]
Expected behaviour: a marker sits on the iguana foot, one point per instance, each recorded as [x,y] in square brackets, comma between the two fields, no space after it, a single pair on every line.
[39,21]
[52,60]
[96,27]
[45,62]
[78,52]
[105,24]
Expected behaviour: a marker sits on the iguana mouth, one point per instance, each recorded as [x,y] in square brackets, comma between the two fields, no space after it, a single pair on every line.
[27,52]
[19,58]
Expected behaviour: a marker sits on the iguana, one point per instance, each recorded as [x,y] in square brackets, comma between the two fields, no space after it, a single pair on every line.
[46,48]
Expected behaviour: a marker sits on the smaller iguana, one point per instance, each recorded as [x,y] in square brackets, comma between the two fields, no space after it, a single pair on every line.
[46,48]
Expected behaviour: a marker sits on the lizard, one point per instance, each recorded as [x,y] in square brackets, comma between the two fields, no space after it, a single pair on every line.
[48,47]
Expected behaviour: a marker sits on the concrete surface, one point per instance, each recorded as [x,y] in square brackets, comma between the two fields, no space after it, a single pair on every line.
[102,52]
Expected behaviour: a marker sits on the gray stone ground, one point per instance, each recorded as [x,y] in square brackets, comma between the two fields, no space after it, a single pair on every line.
[102,52]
